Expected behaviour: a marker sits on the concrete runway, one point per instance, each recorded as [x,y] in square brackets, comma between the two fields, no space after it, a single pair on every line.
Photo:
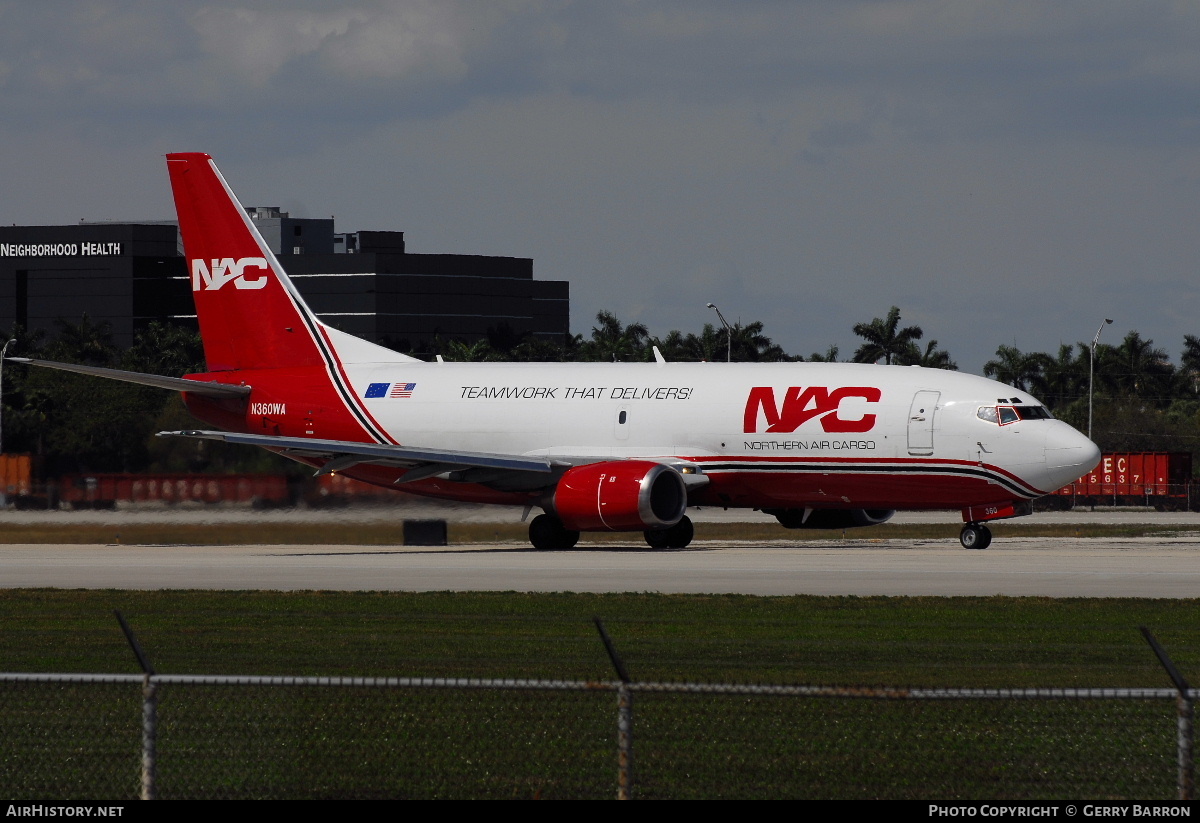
[1051,567]
[1060,567]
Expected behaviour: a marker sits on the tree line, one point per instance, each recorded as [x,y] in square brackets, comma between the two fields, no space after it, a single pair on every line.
[1140,400]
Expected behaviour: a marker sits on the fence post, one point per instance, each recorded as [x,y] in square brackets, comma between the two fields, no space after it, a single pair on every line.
[624,718]
[149,715]
[1184,714]
[149,738]
[1187,787]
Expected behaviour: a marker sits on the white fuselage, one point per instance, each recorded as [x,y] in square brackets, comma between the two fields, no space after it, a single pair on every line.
[866,429]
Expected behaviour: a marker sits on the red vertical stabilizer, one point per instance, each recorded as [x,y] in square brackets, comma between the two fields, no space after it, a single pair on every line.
[250,315]
[254,322]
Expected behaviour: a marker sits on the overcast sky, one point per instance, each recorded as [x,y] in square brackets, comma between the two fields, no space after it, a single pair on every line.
[1004,172]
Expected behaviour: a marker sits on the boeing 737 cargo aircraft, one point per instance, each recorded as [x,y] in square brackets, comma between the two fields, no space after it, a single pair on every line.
[596,446]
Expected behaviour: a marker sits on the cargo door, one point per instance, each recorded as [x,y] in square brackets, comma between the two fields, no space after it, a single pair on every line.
[920,422]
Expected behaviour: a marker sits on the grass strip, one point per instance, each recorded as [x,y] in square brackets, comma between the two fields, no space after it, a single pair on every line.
[310,742]
[915,641]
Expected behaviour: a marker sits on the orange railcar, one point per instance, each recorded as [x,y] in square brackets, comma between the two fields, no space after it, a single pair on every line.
[105,490]
[1159,479]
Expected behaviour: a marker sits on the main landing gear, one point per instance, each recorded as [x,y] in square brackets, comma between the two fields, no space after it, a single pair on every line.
[547,532]
[672,537]
[975,536]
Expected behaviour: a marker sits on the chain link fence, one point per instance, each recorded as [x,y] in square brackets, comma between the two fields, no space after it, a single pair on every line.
[118,737]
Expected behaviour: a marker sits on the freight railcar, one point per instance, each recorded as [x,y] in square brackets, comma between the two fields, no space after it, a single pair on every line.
[1162,480]
[106,490]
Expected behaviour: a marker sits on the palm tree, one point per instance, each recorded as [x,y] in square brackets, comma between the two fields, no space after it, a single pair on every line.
[830,355]
[750,344]
[1147,372]
[539,350]
[1011,366]
[691,347]
[746,344]
[1191,352]
[884,339]
[1189,361]
[930,358]
[458,351]
[1108,368]
[613,341]
[1065,377]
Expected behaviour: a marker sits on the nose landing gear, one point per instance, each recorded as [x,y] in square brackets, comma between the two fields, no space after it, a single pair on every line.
[975,536]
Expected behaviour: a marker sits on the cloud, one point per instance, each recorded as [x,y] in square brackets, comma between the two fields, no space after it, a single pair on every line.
[805,163]
[254,47]
[418,42]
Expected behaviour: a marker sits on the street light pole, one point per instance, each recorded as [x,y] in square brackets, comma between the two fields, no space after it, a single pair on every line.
[728,334]
[3,484]
[3,352]
[1092,372]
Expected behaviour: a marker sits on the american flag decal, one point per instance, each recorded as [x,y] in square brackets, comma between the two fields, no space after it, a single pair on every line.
[402,389]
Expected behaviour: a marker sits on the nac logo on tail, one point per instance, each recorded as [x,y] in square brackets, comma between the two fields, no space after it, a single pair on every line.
[227,270]
[802,404]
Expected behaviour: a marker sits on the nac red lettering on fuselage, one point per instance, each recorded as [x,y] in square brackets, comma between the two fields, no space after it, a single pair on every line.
[227,270]
[801,404]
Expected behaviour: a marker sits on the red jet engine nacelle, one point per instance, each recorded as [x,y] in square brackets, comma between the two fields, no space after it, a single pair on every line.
[620,495]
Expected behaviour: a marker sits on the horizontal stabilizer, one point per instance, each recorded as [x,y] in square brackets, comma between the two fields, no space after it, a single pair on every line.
[204,387]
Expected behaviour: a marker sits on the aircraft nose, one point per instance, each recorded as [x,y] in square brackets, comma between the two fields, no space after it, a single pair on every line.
[1069,455]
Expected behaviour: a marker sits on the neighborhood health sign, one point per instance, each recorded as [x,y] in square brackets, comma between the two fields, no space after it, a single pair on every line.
[60,249]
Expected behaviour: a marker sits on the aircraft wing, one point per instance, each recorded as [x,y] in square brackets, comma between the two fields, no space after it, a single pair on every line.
[210,389]
[342,454]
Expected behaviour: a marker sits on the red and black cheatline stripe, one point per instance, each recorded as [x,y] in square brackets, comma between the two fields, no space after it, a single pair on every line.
[945,468]
[337,375]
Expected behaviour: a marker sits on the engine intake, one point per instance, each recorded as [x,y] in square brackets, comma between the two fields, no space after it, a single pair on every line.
[620,495]
[830,518]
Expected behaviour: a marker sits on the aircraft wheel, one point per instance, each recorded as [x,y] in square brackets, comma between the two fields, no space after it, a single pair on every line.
[681,533]
[672,537]
[547,532]
[975,536]
[656,538]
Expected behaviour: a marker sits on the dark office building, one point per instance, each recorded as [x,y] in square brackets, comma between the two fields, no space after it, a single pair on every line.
[364,283]
[120,274]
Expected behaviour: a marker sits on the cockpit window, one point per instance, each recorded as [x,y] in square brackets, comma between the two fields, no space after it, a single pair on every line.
[1033,412]
[1003,415]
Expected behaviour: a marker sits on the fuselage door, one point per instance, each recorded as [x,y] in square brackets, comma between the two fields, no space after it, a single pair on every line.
[920,422]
